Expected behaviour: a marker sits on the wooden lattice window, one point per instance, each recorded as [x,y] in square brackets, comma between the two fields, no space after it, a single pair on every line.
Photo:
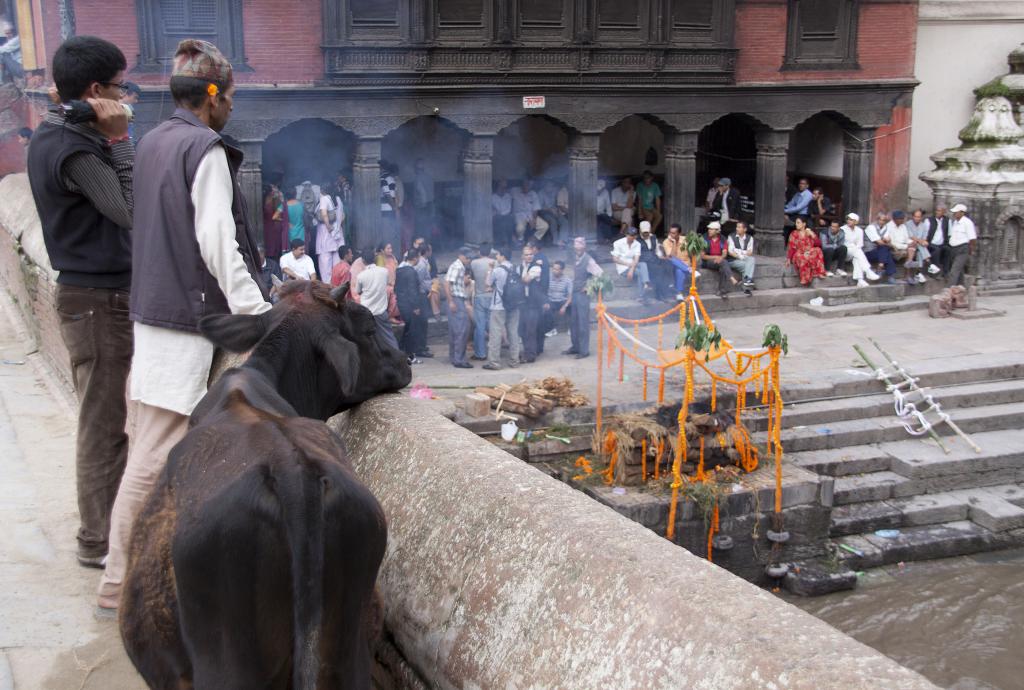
[822,34]
[164,23]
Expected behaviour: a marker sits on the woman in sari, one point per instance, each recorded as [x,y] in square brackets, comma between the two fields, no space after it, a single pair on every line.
[805,253]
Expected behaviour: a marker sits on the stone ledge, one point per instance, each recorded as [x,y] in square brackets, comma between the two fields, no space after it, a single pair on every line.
[497,575]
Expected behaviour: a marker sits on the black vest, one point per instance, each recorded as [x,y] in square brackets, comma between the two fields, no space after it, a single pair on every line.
[85,247]
[174,289]
[579,273]
[648,255]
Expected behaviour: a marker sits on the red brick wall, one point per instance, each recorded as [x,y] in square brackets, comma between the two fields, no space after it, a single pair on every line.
[282,39]
[885,47]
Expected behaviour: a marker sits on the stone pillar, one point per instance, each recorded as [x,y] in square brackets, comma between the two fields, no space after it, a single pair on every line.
[772,151]
[681,180]
[250,181]
[366,193]
[476,190]
[583,150]
[858,164]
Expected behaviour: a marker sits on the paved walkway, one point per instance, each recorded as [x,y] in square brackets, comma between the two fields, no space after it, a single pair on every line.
[814,344]
[48,638]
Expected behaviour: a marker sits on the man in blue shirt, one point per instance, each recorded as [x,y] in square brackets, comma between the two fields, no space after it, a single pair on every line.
[797,206]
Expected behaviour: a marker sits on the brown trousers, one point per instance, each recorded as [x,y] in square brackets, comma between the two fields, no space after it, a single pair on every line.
[98,335]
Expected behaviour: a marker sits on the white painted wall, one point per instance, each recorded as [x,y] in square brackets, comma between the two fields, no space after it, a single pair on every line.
[816,149]
[961,44]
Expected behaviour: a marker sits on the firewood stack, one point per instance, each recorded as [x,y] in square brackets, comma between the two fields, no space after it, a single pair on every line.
[533,399]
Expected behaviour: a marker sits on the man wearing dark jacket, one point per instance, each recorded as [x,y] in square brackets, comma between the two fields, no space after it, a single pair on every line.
[196,256]
[726,205]
[81,179]
[411,307]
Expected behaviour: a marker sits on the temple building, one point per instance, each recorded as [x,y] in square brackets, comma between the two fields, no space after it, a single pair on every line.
[569,90]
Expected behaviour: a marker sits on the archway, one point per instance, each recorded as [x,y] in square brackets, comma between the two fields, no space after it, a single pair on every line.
[533,150]
[628,149]
[424,158]
[727,148]
[816,153]
[311,149]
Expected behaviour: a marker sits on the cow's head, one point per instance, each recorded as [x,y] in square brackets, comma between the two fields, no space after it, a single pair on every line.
[321,351]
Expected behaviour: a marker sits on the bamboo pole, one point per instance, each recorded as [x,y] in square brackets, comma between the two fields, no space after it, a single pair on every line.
[946,419]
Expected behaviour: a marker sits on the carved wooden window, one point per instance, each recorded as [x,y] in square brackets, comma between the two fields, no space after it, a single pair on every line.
[622,20]
[373,14]
[822,34]
[460,14]
[700,21]
[543,18]
[164,23]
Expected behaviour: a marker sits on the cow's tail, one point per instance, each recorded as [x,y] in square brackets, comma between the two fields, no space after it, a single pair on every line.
[302,499]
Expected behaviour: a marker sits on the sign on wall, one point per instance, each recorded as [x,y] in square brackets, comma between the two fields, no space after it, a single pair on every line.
[533,102]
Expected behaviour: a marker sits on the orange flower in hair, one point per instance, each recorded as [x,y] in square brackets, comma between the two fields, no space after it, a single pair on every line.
[212,89]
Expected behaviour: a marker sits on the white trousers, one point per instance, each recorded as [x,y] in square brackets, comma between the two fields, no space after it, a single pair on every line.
[860,262]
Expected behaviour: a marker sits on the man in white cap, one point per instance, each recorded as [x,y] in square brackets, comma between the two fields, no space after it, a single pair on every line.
[196,256]
[716,258]
[854,239]
[962,238]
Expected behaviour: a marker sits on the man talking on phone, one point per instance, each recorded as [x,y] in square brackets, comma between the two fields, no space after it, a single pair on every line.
[81,179]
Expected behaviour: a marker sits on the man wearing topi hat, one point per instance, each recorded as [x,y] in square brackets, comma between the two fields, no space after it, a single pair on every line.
[195,255]
[961,241]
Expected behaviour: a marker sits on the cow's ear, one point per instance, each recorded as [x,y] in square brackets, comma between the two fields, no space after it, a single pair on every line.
[343,356]
[339,293]
[235,332]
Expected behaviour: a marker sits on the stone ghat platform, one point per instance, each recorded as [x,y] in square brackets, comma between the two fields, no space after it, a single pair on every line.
[850,470]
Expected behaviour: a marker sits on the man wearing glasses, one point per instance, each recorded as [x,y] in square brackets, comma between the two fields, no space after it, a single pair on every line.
[81,179]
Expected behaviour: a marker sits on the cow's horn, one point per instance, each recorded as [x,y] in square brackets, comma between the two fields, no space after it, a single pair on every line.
[338,293]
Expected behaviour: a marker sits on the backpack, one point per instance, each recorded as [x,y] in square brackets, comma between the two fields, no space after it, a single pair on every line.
[514,293]
[332,213]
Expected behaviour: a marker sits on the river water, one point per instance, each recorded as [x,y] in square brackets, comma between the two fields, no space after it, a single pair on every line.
[959,622]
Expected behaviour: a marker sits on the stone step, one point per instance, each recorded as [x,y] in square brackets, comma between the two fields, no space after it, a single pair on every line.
[934,372]
[824,311]
[952,397]
[944,540]
[996,508]
[890,428]
[840,462]
[863,488]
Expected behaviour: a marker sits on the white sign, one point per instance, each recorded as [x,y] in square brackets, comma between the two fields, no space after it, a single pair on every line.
[533,102]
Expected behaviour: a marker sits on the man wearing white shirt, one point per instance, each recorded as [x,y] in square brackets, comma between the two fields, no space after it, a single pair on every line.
[623,200]
[741,255]
[501,210]
[877,249]
[962,238]
[605,222]
[296,264]
[195,256]
[898,235]
[626,255]
[525,205]
[372,288]
[854,239]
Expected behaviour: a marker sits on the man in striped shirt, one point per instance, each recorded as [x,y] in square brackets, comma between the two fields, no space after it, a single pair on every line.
[558,299]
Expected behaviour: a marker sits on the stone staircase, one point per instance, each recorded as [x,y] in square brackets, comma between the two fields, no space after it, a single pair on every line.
[885,479]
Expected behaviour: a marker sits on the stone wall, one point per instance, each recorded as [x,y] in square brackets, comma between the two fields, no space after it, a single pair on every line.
[498,576]
[25,271]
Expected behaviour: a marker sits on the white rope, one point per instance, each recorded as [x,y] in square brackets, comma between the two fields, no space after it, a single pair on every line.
[629,335]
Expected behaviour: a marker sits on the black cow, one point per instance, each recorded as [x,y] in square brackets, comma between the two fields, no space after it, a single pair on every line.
[254,559]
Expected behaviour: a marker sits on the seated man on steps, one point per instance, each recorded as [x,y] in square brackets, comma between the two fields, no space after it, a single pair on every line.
[741,255]
[833,248]
[626,255]
[714,259]
[877,247]
[854,238]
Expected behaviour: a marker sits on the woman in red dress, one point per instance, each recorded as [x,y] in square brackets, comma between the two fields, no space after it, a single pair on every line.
[275,224]
[805,253]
